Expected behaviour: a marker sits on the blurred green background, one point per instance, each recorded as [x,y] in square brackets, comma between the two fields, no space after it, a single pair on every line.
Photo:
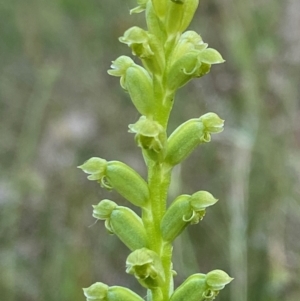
[59,107]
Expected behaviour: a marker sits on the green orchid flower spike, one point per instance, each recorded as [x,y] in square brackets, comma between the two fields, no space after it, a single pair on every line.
[167,57]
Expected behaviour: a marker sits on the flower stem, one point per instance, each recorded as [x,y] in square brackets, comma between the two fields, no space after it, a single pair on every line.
[158,182]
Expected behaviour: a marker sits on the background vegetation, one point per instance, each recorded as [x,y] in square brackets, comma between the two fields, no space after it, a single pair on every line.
[58,107]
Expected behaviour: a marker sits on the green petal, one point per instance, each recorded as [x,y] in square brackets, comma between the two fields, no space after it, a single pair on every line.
[94,166]
[120,65]
[104,209]
[201,200]
[217,279]
[211,56]
[97,291]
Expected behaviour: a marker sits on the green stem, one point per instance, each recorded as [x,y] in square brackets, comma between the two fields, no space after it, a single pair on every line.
[166,258]
[158,181]
[164,102]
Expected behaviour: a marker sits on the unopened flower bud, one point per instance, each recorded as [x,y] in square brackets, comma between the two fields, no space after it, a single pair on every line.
[147,268]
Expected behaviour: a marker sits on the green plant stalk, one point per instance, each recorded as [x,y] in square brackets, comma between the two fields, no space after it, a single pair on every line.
[159,182]
[159,179]
[170,59]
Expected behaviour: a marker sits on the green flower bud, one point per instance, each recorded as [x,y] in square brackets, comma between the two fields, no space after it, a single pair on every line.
[127,182]
[96,292]
[123,222]
[189,135]
[137,81]
[180,14]
[150,136]
[184,140]
[139,41]
[140,8]
[193,287]
[101,292]
[140,88]
[147,268]
[128,226]
[175,219]
[217,279]
[119,176]
[183,211]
